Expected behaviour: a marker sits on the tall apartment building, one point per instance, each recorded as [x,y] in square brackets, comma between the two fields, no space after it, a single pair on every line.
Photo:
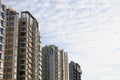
[23,50]
[2,37]
[74,71]
[29,48]
[11,48]
[55,63]
[64,65]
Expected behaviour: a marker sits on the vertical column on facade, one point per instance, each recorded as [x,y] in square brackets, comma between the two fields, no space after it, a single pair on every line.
[36,52]
[2,37]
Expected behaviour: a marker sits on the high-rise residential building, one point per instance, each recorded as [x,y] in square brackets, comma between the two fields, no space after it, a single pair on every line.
[64,65]
[74,71]
[23,47]
[11,45]
[2,36]
[29,55]
[54,63]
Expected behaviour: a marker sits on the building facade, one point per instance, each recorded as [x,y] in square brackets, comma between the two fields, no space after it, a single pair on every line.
[55,63]
[74,71]
[29,54]
[64,65]
[23,57]
[11,45]
[2,37]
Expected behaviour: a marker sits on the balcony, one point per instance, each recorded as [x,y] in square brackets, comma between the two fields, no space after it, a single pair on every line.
[29,66]
[22,61]
[22,78]
[22,73]
[30,34]
[22,56]
[29,55]
[22,51]
[29,49]
[29,71]
[30,44]
[29,77]
[23,34]
[23,21]
[23,29]
[23,45]
[30,28]
[30,39]
[23,40]
[22,67]
[29,60]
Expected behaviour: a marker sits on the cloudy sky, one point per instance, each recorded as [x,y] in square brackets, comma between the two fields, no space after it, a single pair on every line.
[89,30]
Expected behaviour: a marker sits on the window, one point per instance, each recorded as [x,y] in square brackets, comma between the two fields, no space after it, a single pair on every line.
[23,44]
[1,47]
[10,51]
[3,7]
[23,34]
[31,21]
[2,23]
[9,76]
[23,29]
[10,40]
[10,45]
[23,15]
[10,57]
[23,23]
[3,15]
[22,73]
[23,50]
[23,39]
[1,30]
[0,55]
[7,24]
[5,64]
[11,23]
[9,63]
[11,28]
[11,34]
[9,69]
[1,39]
[11,17]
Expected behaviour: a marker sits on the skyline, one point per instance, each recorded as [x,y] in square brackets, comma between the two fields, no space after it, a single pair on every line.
[88,30]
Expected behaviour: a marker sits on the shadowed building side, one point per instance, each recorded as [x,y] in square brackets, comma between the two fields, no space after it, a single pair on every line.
[74,71]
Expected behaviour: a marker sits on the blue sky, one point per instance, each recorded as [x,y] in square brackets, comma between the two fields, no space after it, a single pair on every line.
[89,30]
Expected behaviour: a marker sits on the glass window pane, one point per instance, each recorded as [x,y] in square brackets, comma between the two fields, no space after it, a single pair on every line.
[1,47]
